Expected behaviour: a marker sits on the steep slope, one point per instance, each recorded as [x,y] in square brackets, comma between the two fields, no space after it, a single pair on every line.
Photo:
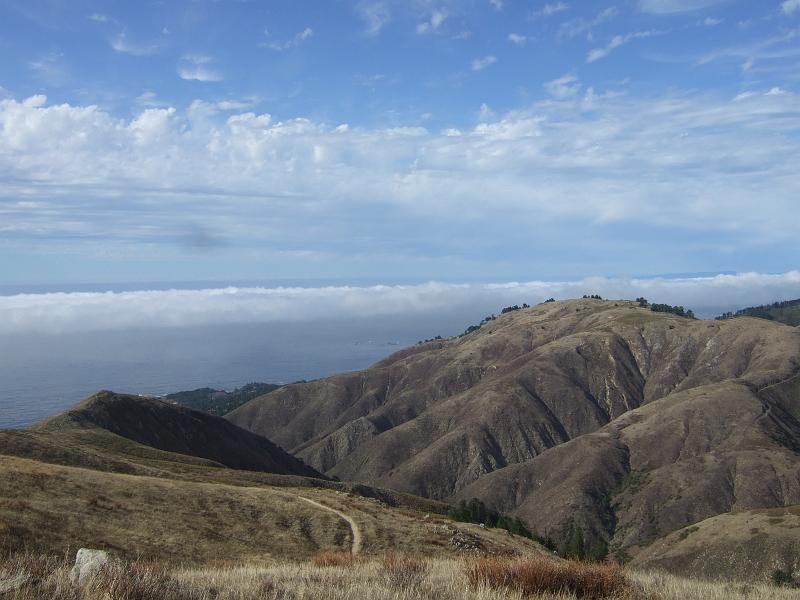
[682,459]
[434,418]
[179,430]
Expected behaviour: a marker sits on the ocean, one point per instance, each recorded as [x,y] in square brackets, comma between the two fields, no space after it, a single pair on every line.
[44,374]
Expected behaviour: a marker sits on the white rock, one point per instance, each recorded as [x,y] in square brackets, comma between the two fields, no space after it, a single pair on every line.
[88,563]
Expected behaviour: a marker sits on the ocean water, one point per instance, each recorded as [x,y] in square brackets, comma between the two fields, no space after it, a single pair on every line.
[43,374]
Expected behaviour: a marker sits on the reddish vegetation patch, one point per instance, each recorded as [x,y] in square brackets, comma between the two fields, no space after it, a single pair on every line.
[541,575]
[329,558]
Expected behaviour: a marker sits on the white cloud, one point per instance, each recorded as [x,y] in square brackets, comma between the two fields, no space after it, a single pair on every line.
[790,6]
[565,86]
[550,9]
[298,39]
[437,19]
[479,64]
[516,38]
[685,162]
[376,15]
[575,27]
[70,312]
[121,43]
[194,67]
[668,7]
[497,4]
[616,42]
[98,18]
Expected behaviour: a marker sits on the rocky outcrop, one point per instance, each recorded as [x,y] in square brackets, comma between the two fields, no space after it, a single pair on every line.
[88,564]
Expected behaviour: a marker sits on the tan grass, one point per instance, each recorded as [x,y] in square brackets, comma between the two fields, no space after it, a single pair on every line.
[392,577]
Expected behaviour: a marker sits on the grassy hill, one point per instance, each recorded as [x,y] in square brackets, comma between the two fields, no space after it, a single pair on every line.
[787,312]
[159,482]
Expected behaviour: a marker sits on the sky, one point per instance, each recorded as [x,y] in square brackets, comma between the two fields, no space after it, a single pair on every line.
[387,141]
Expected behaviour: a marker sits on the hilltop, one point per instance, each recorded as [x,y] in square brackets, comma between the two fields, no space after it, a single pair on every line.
[786,312]
[595,421]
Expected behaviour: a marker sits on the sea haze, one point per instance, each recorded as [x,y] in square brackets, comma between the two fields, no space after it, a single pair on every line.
[59,345]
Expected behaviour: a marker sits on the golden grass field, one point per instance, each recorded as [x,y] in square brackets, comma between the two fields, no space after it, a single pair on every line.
[390,577]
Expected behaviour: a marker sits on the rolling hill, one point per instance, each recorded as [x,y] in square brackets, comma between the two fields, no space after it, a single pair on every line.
[594,418]
[154,481]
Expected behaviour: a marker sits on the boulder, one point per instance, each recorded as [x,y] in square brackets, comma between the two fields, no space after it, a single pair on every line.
[88,563]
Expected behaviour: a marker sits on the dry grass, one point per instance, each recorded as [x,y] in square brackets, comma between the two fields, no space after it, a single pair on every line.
[333,558]
[392,577]
[531,576]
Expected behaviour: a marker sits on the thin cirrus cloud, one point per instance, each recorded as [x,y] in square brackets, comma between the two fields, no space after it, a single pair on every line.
[88,311]
[434,23]
[299,38]
[550,9]
[617,41]
[669,7]
[121,43]
[479,64]
[198,68]
[790,6]
[375,15]
[579,26]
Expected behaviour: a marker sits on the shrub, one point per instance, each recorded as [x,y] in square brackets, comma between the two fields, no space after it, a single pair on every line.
[783,578]
[541,575]
[333,558]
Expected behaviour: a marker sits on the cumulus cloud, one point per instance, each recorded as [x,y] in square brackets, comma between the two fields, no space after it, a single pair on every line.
[88,311]
[722,171]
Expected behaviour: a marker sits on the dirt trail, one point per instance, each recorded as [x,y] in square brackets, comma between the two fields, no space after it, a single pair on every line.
[350,521]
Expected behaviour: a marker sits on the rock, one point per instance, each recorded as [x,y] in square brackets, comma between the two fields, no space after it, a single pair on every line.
[88,563]
[465,542]
[11,583]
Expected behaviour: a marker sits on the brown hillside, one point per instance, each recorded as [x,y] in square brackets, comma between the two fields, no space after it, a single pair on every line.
[179,430]
[630,423]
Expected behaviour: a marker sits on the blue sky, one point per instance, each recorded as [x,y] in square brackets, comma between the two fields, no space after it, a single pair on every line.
[380,140]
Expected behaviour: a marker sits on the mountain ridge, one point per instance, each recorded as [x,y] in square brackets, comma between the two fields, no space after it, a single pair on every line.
[621,394]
